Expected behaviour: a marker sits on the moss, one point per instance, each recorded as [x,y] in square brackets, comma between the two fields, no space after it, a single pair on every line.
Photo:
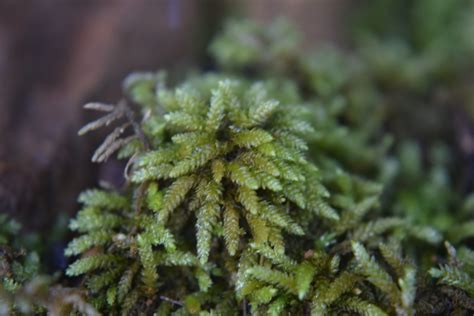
[281,184]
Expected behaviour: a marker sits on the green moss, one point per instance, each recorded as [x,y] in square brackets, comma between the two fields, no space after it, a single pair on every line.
[287,182]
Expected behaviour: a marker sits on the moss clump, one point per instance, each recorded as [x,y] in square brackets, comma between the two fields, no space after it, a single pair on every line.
[282,184]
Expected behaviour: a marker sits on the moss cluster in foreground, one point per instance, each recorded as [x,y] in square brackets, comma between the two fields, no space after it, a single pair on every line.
[284,183]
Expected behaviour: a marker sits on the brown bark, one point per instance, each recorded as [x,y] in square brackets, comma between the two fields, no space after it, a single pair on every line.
[54,56]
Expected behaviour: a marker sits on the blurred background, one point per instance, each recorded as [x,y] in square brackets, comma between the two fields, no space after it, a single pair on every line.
[55,55]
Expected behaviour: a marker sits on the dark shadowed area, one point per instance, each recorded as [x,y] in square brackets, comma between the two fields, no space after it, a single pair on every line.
[56,55]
